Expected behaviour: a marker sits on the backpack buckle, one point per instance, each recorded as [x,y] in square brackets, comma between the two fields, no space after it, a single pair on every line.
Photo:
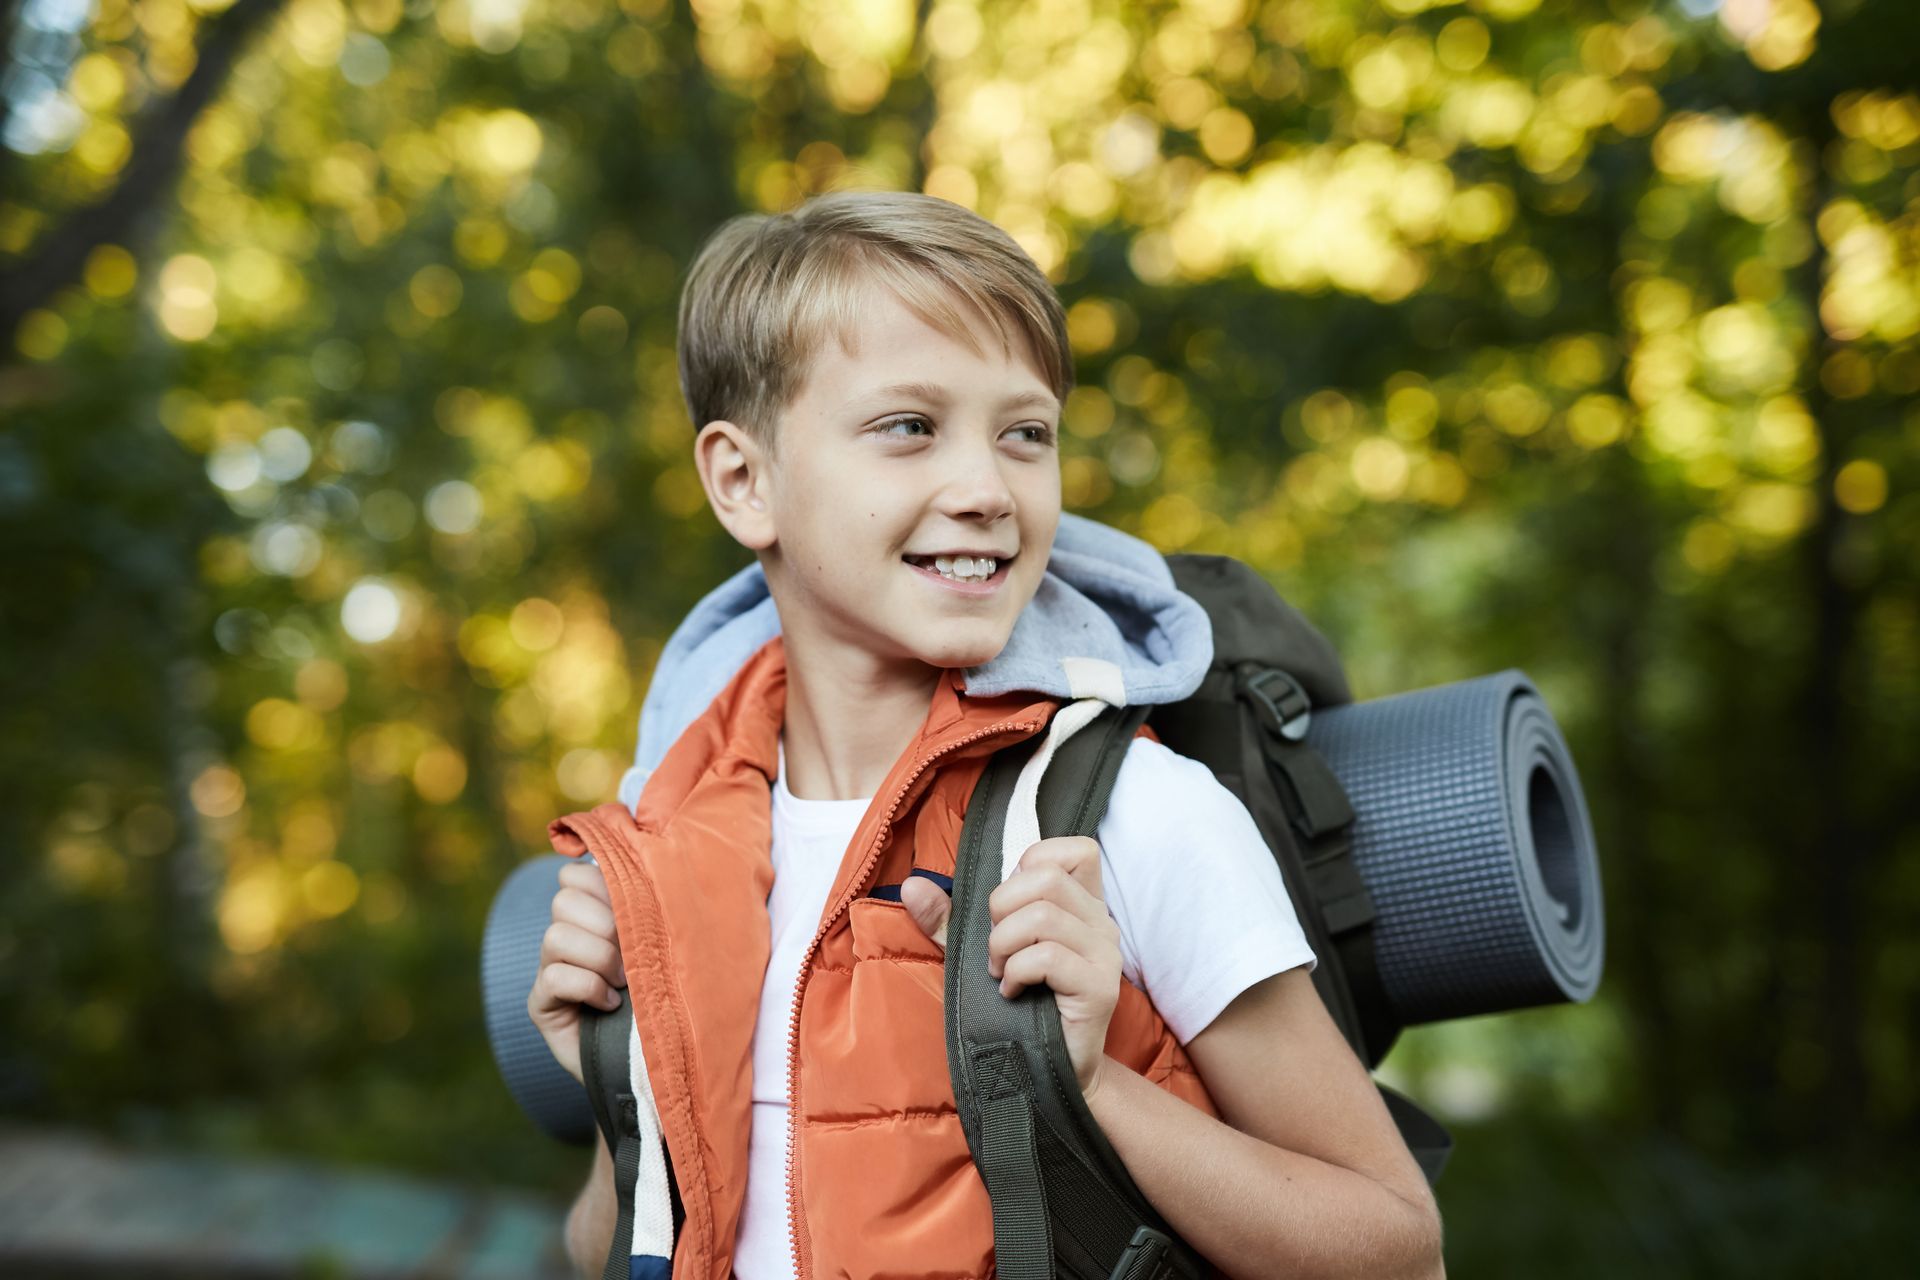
[1148,1254]
[1284,700]
[628,1121]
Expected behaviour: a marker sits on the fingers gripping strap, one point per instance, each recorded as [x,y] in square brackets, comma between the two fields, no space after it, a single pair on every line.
[1083,1205]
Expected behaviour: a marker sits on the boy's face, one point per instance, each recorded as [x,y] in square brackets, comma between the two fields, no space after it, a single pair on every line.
[912,451]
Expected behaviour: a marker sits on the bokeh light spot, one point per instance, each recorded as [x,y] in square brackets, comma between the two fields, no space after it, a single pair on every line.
[371,611]
[1861,486]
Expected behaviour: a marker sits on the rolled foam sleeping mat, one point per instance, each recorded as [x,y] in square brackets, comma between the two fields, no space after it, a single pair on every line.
[509,962]
[1472,836]
[1470,832]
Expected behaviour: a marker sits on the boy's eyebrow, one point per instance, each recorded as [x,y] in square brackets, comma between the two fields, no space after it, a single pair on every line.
[937,395]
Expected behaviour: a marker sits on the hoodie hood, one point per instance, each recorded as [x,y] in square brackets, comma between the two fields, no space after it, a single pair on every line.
[1106,623]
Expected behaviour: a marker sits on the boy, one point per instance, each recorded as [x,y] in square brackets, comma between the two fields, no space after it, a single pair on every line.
[879,379]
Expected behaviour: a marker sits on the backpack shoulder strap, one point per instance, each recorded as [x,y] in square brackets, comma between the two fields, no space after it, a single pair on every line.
[1063,1202]
[606,1070]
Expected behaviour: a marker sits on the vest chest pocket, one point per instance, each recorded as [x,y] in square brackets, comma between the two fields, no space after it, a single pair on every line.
[896,999]
[883,929]
[877,1046]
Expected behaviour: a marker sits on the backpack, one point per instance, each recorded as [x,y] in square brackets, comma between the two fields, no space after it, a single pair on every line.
[1063,1202]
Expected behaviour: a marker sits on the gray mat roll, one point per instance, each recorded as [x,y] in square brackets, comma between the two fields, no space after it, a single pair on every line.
[1471,833]
[509,962]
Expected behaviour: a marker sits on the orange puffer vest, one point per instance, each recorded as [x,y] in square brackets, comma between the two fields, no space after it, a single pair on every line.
[880,1182]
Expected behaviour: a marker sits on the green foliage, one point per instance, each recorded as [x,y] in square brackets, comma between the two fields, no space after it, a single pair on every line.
[346,499]
[1547,1198]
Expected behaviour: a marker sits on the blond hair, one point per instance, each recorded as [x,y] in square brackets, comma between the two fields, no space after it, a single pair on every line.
[767,289]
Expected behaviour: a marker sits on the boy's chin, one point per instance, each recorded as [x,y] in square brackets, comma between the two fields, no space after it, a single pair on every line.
[961,651]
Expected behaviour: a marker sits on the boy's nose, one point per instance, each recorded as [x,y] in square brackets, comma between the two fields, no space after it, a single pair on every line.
[978,490]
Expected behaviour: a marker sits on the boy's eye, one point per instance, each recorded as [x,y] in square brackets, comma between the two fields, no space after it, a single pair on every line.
[913,425]
[1035,433]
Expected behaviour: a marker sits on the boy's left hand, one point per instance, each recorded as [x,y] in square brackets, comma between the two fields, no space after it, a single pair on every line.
[1050,925]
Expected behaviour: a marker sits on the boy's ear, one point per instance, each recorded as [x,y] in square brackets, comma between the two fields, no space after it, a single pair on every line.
[734,471]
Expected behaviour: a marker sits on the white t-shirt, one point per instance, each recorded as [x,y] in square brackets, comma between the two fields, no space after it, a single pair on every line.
[1203,915]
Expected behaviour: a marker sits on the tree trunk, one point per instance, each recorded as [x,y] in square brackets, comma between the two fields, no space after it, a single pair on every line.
[1830,855]
[58,258]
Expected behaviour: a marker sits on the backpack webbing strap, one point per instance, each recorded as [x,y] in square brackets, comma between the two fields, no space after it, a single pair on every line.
[604,1071]
[1022,1242]
[1321,818]
[1063,1202]
[1229,730]
[1247,724]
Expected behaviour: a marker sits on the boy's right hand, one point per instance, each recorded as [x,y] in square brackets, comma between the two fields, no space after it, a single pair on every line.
[579,962]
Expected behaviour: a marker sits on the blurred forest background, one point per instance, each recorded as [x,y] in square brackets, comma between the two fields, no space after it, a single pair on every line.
[346,500]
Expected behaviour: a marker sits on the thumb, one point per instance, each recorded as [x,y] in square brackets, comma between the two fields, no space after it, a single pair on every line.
[929,905]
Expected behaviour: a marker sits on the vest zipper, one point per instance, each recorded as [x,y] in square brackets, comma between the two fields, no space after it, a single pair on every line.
[796,1226]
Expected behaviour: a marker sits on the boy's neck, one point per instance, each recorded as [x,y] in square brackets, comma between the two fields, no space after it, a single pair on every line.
[849,716]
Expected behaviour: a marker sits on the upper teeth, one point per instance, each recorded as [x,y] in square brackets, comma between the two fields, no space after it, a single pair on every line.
[968,568]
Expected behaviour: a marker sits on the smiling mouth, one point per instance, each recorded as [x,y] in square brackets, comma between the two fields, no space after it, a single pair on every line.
[962,570]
